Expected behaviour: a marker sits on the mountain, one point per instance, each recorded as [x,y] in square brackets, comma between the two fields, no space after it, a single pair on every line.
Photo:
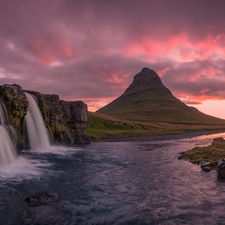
[148,100]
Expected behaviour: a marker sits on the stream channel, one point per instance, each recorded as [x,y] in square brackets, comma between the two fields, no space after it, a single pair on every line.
[139,182]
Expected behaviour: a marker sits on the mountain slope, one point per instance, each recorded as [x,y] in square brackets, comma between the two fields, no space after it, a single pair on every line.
[147,99]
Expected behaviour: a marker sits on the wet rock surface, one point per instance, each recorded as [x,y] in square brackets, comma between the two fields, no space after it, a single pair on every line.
[219,139]
[43,198]
[181,157]
[220,168]
[205,164]
[206,168]
[42,208]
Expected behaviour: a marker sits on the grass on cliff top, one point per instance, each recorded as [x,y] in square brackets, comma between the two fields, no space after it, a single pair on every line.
[103,126]
[211,153]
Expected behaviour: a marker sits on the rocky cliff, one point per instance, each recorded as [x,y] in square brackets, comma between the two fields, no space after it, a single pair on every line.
[65,120]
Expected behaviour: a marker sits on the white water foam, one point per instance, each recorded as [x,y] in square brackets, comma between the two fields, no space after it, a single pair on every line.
[23,168]
[55,150]
[34,163]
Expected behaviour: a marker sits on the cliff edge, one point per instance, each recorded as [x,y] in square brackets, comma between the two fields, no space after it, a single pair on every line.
[65,120]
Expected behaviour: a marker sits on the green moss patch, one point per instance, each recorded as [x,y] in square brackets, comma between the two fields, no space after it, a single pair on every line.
[211,153]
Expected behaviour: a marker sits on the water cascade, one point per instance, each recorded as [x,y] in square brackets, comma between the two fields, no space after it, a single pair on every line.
[7,150]
[37,131]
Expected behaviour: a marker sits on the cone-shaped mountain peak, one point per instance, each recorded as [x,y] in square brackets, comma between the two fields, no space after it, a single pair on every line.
[147,74]
[146,82]
[147,99]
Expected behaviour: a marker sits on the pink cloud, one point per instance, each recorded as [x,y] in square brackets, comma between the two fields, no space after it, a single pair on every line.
[87,50]
[161,73]
[191,99]
[47,50]
[64,47]
[179,46]
[46,58]
[116,79]
[156,48]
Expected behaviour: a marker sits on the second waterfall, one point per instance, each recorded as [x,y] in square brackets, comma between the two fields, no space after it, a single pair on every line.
[37,131]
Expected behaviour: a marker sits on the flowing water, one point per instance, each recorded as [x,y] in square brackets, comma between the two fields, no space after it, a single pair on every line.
[7,150]
[37,131]
[113,183]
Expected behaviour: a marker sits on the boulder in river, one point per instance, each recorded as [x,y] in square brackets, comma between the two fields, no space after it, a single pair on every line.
[219,139]
[43,198]
[180,157]
[220,168]
[206,166]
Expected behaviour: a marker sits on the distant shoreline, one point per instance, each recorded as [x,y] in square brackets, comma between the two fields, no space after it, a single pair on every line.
[162,137]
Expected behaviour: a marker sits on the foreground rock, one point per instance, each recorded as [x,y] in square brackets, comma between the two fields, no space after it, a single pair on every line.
[206,166]
[43,198]
[219,139]
[43,208]
[220,168]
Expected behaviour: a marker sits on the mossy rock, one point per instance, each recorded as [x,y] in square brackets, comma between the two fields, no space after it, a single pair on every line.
[16,103]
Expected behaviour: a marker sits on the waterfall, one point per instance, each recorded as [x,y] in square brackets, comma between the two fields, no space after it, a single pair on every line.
[37,131]
[7,150]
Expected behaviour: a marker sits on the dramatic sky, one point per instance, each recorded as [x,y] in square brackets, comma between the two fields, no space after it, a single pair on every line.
[90,50]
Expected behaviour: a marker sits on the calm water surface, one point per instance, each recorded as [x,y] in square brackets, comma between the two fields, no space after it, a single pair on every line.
[113,183]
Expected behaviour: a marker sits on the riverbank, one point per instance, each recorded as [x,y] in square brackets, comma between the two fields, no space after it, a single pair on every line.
[210,154]
[162,137]
[105,127]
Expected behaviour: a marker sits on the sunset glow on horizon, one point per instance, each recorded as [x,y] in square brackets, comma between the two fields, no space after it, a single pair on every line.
[90,51]
[212,108]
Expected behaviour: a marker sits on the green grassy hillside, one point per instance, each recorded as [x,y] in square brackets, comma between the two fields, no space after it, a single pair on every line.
[102,126]
[106,127]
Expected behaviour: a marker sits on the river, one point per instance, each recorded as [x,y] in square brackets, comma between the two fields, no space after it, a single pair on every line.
[113,183]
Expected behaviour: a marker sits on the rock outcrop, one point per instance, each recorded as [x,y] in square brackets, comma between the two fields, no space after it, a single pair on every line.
[65,120]
[16,104]
[220,168]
